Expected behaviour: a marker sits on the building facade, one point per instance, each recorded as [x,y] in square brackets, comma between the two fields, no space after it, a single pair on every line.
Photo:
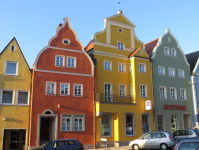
[62,100]
[15,83]
[171,84]
[123,82]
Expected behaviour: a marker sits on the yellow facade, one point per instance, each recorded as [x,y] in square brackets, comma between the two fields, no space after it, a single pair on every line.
[16,113]
[106,50]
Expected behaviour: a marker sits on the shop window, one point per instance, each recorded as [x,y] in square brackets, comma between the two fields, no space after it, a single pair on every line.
[160,122]
[129,124]
[173,122]
[145,123]
[106,125]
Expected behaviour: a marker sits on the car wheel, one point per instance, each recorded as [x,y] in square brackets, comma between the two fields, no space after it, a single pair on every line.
[163,146]
[136,147]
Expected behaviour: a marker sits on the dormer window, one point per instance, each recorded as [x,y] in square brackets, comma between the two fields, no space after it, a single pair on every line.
[12,48]
[66,41]
[120,46]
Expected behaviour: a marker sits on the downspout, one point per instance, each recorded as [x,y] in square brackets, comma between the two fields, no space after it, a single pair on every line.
[195,105]
[94,109]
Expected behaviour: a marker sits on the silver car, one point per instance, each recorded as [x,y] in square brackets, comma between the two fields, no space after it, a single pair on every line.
[188,144]
[154,140]
[185,133]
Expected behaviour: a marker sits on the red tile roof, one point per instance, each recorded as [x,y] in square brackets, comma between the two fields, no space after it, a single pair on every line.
[133,53]
[150,46]
[89,46]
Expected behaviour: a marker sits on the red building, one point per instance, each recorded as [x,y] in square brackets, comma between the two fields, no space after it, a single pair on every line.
[62,100]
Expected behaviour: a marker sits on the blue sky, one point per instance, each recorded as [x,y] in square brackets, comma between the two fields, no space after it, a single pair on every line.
[34,22]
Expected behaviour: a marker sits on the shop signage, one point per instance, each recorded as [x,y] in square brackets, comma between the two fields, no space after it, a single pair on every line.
[148,105]
[175,107]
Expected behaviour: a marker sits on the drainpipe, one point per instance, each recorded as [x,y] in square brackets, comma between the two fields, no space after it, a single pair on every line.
[94,108]
[195,105]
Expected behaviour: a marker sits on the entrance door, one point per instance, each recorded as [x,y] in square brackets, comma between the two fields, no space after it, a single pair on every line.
[107,92]
[187,121]
[174,120]
[14,140]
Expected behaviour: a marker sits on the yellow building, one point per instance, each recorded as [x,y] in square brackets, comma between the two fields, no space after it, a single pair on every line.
[123,82]
[15,82]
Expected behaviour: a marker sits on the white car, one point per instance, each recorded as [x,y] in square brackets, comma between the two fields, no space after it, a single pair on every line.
[154,140]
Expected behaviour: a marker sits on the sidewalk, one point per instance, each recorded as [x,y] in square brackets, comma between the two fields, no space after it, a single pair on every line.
[113,148]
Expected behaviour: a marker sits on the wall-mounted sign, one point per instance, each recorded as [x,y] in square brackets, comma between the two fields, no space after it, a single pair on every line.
[148,105]
[175,107]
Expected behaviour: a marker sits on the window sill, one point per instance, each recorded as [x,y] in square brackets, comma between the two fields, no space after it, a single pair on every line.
[163,99]
[64,95]
[161,74]
[11,74]
[107,70]
[174,99]
[143,97]
[78,95]
[59,66]
[106,136]
[7,104]
[71,67]
[183,100]
[182,77]
[22,104]
[130,135]
[172,76]
[142,71]
[122,71]
[50,94]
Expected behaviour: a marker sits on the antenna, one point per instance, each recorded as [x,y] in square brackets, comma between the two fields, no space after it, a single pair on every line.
[119,5]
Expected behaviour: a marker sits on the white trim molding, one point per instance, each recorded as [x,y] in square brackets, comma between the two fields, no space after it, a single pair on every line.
[28,97]
[13,96]
[17,67]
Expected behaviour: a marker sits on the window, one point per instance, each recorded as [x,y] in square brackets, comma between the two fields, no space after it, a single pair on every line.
[173,122]
[122,67]
[171,72]
[122,90]
[161,70]
[12,48]
[160,122]
[163,93]
[181,73]
[142,67]
[120,30]
[11,68]
[71,62]
[169,39]
[173,52]
[183,94]
[130,68]
[131,91]
[143,91]
[189,145]
[156,135]
[173,93]
[65,89]
[78,90]
[129,124]
[23,97]
[107,65]
[66,41]
[146,136]
[59,60]
[166,51]
[78,123]
[7,97]
[120,46]
[145,123]
[141,51]
[106,125]
[66,123]
[50,88]
[108,92]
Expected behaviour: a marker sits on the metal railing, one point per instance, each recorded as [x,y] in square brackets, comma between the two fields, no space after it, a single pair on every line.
[115,98]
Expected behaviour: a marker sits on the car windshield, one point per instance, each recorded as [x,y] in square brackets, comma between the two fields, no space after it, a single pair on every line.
[44,145]
[197,132]
[189,146]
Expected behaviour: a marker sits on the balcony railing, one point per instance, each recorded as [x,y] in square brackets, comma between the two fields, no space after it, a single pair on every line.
[114,98]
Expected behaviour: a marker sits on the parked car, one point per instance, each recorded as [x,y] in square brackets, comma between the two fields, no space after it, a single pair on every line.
[185,133]
[188,144]
[69,144]
[154,140]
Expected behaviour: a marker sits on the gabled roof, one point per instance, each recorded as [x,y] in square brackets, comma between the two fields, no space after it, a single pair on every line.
[134,52]
[150,46]
[19,49]
[89,46]
[192,58]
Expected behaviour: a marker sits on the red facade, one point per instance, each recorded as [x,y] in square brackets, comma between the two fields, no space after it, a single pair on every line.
[62,101]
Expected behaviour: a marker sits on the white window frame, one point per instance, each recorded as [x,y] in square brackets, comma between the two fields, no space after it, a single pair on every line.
[173,71]
[63,60]
[17,67]
[175,90]
[81,90]
[131,90]
[121,30]
[107,61]
[163,70]
[182,73]
[133,117]
[13,97]
[168,51]
[55,85]
[185,94]
[74,61]
[11,47]
[123,67]
[130,67]
[78,123]
[175,54]
[165,92]
[63,83]
[124,89]
[121,43]
[144,68]
[28,98]
[66,123]
[146,95]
